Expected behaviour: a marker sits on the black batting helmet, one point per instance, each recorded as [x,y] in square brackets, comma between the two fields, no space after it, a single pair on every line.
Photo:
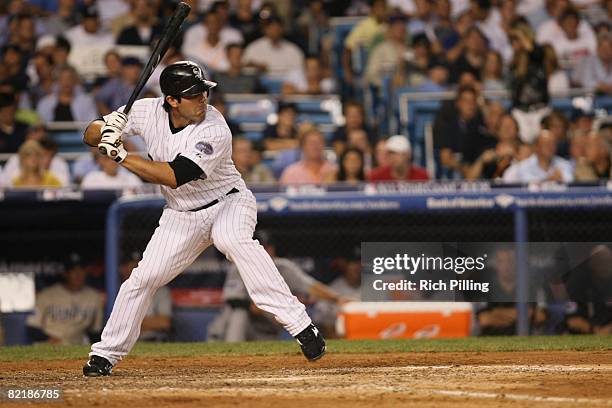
[184,78]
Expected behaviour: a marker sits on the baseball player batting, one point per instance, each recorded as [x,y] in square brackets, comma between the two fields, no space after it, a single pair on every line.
[190,146]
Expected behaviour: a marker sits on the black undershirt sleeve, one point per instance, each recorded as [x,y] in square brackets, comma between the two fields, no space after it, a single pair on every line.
[185,170]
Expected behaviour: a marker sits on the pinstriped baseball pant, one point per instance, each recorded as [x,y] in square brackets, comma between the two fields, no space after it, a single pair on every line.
[176,243]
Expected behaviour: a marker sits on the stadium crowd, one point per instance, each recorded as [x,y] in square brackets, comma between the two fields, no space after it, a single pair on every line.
[75,60]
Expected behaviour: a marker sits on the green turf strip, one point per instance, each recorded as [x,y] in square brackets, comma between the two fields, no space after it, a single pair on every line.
[580,343]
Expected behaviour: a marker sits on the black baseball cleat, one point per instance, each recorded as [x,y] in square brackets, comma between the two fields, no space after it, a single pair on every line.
[311,342]
[97,367]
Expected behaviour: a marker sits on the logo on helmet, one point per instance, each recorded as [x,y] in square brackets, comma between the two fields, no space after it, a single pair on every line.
[198,73]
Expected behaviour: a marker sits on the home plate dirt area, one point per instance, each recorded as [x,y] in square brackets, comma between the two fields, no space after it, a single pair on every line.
[440,379]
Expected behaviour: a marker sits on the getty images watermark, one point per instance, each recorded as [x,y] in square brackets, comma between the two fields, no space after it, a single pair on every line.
[403,263]
[425,271]
[486,271]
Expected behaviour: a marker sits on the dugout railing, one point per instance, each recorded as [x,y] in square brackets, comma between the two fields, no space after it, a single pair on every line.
[323,222]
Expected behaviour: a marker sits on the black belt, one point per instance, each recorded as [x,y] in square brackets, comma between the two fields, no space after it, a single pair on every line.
[213,202]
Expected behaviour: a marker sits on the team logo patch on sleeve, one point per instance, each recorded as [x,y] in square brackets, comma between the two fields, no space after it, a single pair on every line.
[204,147]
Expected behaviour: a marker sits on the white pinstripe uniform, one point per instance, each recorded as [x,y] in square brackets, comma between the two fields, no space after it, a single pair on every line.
[183,234]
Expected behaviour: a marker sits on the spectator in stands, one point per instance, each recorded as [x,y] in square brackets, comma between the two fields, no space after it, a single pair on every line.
[350,167]
[354,119]
[471,58]
[493,112]
[530,71]
[68,312]
[236,79]
[589,289]
[362,36]
[313,168]
[489,21]
[110,177]
[413,72]
[145,28]
[25,34]
[400,167]
[524,151]
[313,27]
[543,165]
[116,91]
[308,80]
[453,43]
[112,63]
[492,163]
[577,148]
[245,160]
[210,49]
[499,316]
[244,19]
[437,77]
[68,103]
[358,138]
[45,80]
[508,130]
[381,155]
[581,121]
[283,134]
[63,19]
[61,50]
[492,72]
[13,60]
[284,158]
[595,165]
[595,72]
[558,125]
[157,323]
[12,131]
[558,79]
[32,168]
[385,58]
[197,41]
[572,38]
[460,133]
[90,32]
[272,54]
[422,19]
[123,20]
[52,163]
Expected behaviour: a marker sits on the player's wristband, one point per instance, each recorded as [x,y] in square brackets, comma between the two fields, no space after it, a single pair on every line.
[121,155]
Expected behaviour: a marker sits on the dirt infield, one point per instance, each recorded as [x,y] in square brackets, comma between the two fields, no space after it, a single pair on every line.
[517,379]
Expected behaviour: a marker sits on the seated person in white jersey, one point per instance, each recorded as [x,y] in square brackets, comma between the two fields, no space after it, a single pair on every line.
[190,147]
